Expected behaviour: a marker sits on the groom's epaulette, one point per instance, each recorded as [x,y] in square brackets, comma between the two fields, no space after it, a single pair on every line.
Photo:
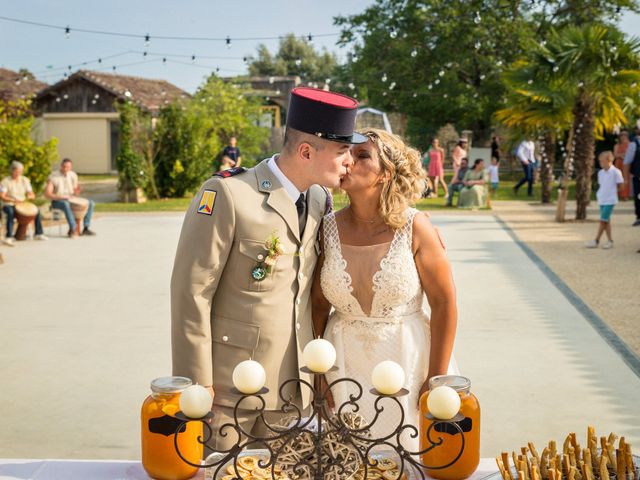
[232,172]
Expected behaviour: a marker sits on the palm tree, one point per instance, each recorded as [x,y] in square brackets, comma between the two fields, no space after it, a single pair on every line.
[535,107]
[598,69]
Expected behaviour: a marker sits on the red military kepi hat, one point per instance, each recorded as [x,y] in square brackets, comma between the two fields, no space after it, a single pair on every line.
[327,115]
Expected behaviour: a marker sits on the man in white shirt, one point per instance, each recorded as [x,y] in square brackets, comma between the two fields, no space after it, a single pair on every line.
[526,154]
[14,189]
[61,187]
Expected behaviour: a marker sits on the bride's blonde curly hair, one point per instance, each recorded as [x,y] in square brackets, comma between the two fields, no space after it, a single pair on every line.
[407,179]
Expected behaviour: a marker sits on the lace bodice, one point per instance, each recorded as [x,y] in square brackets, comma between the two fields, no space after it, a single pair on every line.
[396,285]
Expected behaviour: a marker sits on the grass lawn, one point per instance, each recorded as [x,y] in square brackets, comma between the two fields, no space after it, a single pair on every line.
[96,178]
[505,192]
[162,205]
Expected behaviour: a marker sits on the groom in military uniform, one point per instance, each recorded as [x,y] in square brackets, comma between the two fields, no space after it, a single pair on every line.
[233,298]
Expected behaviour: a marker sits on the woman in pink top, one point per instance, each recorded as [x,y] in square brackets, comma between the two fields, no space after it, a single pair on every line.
[619,150]
[458,154]
[436,167]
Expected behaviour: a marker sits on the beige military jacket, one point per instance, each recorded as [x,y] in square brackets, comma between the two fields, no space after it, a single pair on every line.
[220,315]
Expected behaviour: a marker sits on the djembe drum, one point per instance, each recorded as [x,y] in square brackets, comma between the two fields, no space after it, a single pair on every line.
[79,207]
[26,213]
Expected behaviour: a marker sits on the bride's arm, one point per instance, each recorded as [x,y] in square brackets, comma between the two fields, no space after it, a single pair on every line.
[437,282]
[320,306]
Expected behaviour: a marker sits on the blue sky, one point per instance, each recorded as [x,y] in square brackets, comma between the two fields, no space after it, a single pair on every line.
[38,48]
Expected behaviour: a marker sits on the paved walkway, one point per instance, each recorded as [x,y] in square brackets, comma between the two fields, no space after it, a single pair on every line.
[85,331]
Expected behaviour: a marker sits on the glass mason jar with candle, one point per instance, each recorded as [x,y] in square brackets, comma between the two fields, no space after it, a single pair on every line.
[451,439]
[159,456]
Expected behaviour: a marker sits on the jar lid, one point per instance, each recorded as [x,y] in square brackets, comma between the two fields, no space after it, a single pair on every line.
[170,384]
[457,382]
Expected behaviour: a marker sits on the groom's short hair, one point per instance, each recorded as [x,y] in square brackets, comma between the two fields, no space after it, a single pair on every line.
[293,138]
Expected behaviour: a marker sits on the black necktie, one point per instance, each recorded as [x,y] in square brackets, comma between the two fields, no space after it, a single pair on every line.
[301,207]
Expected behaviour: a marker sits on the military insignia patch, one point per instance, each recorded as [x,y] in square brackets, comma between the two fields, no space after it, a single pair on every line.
[207,201]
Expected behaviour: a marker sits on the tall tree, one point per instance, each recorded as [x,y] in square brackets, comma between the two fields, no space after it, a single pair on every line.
[536,107]
[598,70]
[440,61]
[295,56]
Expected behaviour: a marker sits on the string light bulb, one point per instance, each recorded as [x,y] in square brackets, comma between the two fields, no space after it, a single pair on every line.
[67,32]
[147,40]
[228,42]
[310,38]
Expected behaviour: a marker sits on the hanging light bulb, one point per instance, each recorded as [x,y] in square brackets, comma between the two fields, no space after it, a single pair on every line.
[147,41]
[113,68]
[67,32]
[193,59]
[441,73]
[392,85]
[228,42]
[445,96]
[99,60]
[556,68]
[478,45]
[164,60]
[437,81]
[477,18]
[384,77]
[384,94]
[393,34]
[144,54]
[414,53]
[414,95]
[352,86]
[483,76]
[430,86]
[499,63]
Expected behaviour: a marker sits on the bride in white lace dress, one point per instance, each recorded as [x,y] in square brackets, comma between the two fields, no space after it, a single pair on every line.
[379,257]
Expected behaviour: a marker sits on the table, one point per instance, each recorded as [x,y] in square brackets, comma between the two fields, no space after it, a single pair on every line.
[119,470]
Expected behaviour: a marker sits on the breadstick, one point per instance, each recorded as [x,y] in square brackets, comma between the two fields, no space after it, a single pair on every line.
[611,447]
[566,463]
[515,463]
[501,468]
[535,472]
[544,464]
[505,461]
[604,472]
[631,468]
[620,464]
[572,473]
[586,471]
[552,449]
[605,451]
[574,441]
[565,445]
[534,452]
[552,474]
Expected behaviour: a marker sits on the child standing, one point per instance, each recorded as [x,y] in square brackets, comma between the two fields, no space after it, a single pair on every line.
[609,179]
[493,174]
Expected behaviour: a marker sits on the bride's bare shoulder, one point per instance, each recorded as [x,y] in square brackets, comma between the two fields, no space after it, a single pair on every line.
[425,234]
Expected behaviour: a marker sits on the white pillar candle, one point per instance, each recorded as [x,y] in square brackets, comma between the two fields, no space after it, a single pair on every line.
[195,401]
[388,377]
[249,377]
[319,355]
[443,402]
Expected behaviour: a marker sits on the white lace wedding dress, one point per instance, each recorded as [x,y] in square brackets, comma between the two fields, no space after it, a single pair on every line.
[395,328]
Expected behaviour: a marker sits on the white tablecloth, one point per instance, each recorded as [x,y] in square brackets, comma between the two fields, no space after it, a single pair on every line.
[119,470]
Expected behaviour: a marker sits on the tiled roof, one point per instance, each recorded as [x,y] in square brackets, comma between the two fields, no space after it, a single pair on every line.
[149,94]
[14,86]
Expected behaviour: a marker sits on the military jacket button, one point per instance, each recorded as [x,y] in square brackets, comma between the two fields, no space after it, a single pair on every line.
[225,338]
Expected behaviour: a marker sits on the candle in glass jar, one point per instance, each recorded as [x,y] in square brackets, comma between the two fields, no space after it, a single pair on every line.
[319,355]
[443,402]
[195,401]
[249,377]
[388,377]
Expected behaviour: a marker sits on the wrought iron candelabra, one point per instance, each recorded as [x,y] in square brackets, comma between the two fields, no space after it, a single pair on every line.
[319,424]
